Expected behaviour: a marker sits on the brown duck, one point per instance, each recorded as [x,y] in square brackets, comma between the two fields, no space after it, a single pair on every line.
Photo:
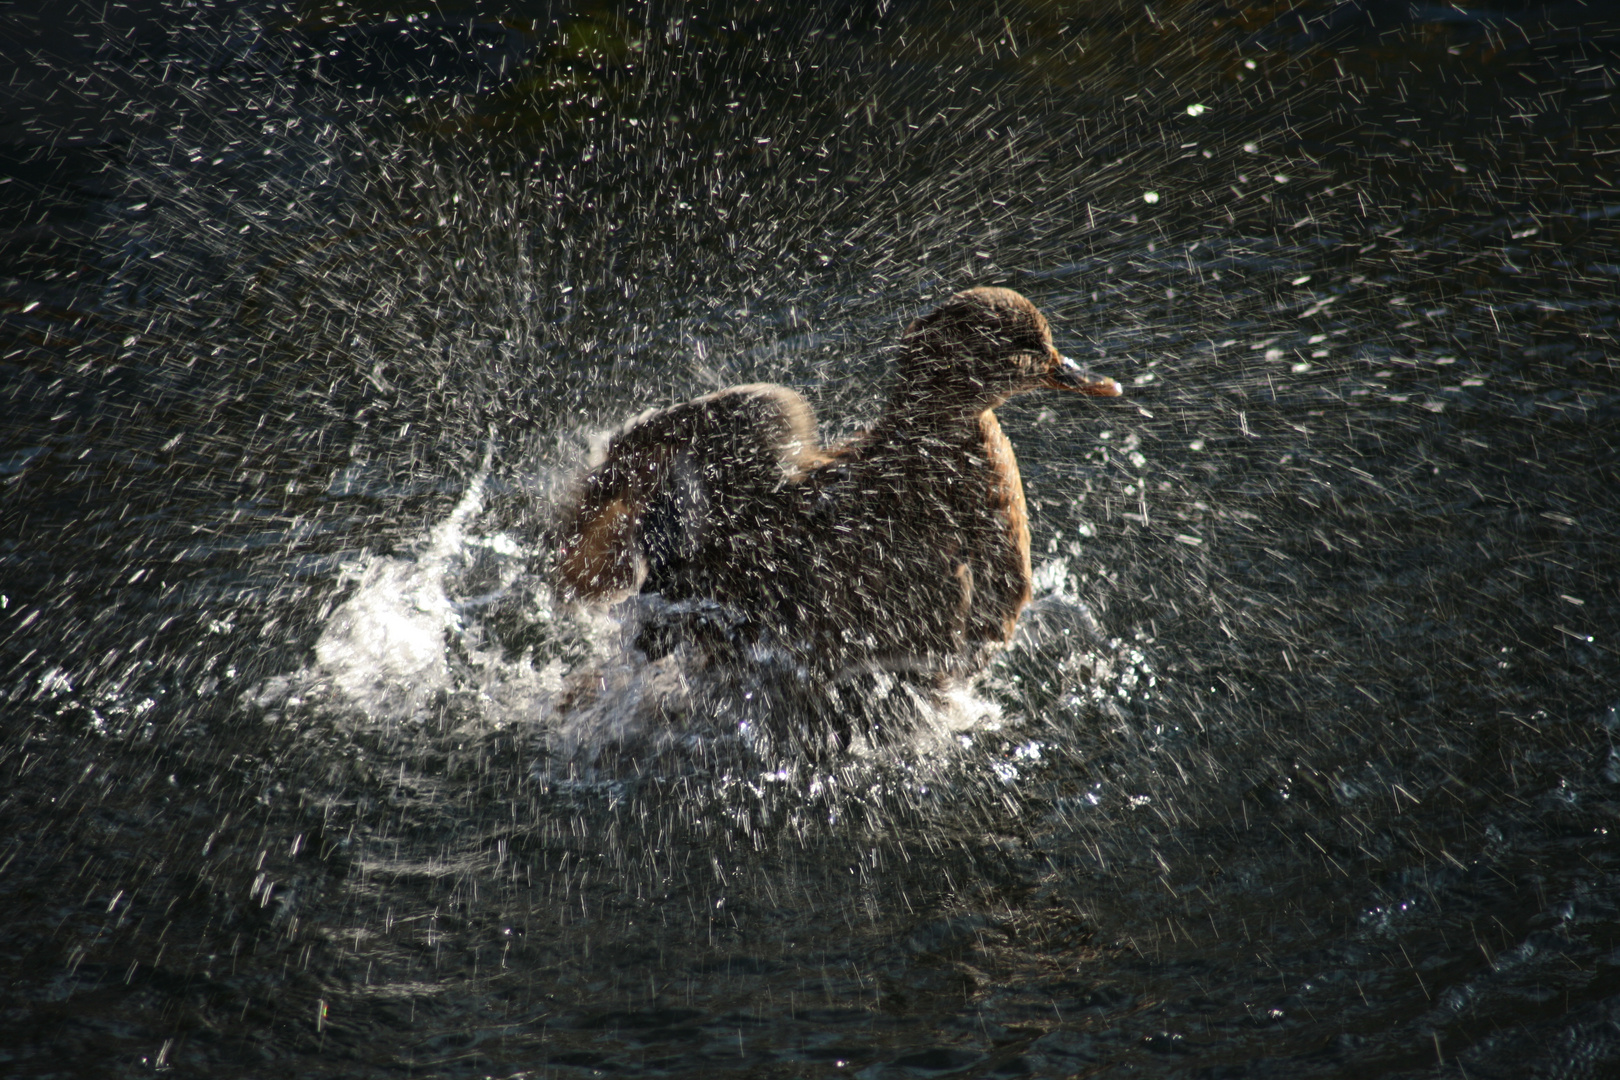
[906,549]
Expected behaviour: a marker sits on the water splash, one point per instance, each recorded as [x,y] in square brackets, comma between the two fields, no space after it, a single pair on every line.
[424,642]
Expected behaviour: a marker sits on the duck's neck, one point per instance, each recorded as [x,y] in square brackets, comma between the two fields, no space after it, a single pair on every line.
[917,416]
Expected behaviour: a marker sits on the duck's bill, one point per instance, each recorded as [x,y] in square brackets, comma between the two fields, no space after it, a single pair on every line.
[1068,375]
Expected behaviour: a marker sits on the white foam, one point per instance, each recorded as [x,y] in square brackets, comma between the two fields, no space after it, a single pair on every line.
[385,647]
[387,640]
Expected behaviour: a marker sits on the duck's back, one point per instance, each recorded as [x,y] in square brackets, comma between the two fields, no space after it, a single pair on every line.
[674,484]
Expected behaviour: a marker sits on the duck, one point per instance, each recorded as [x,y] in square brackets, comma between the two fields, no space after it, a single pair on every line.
[905,549]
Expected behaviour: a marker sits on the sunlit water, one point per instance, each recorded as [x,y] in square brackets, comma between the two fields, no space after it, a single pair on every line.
[1302,761]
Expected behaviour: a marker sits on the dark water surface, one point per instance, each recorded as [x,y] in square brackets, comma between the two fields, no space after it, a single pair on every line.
[1305,764]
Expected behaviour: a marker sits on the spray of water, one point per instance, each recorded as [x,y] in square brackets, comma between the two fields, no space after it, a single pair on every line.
[1318,640]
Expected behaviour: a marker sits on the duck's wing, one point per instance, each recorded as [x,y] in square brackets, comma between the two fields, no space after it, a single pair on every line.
[672,480]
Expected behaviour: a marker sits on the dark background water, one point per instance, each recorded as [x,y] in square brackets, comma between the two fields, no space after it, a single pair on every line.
[1332,792]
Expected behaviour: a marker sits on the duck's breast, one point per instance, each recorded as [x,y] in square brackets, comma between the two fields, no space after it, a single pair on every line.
[1000,561]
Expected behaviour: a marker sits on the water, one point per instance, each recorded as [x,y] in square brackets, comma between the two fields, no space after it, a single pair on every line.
[1303,761]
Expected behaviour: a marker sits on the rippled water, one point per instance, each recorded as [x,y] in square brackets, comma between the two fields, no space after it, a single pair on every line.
[1303,761]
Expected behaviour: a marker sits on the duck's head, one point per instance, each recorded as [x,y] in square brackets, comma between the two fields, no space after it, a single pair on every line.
[983,346]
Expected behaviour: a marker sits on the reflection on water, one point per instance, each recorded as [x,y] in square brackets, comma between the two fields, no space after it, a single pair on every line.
[1302,762]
